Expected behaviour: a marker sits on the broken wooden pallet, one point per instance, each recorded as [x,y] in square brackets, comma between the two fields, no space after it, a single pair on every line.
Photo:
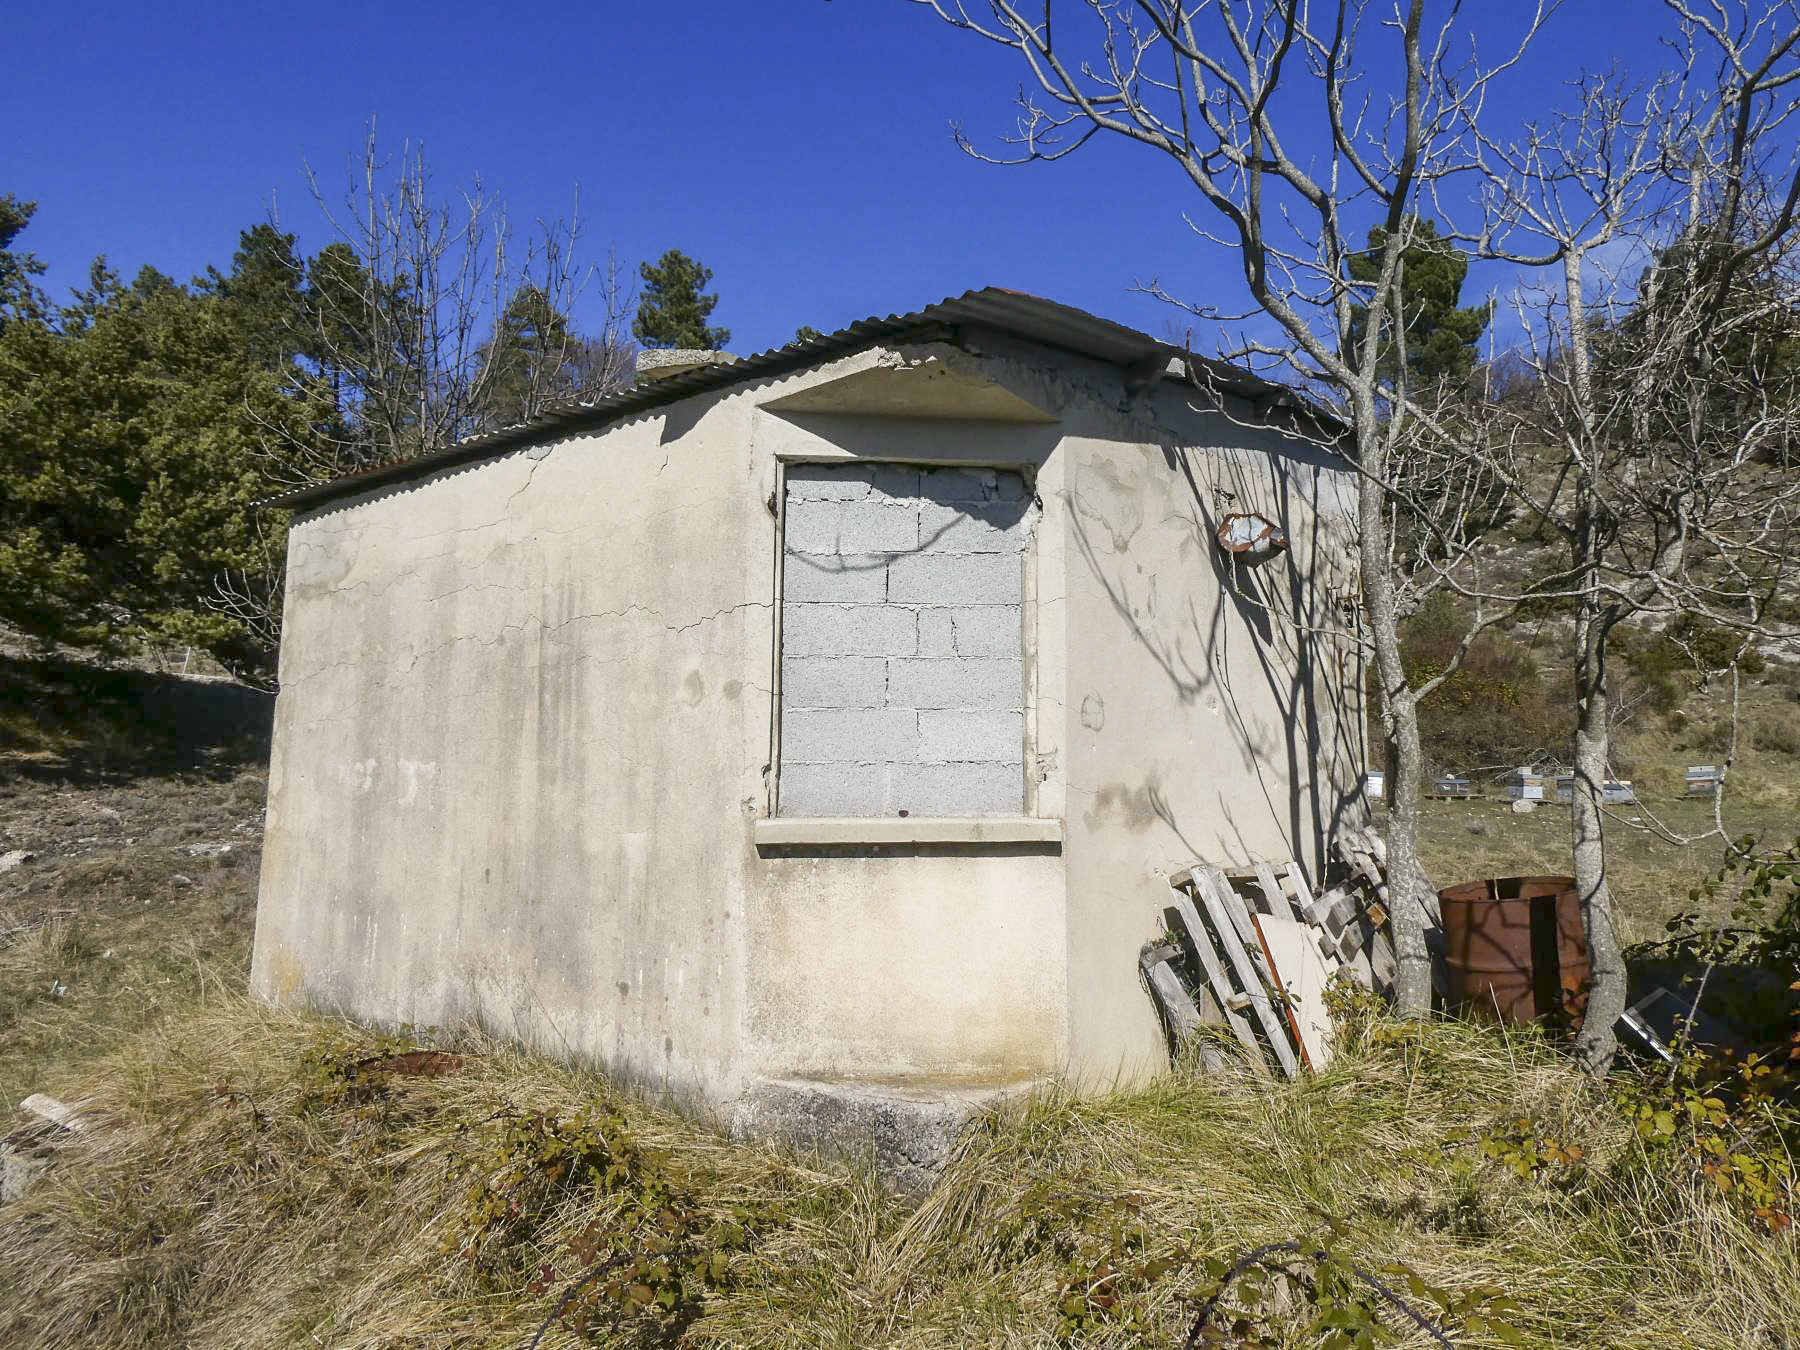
[1182,1009]
[1227,995]
[1240,968]
[1364,852]
[1347,933]
[1265,946]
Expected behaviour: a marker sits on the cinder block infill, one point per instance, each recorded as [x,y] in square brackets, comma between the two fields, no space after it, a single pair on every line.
[906,1131]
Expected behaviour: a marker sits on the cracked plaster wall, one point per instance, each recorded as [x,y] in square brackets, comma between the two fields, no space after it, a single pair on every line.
[511,724]
[522,736]
[1233,729]
[526,714]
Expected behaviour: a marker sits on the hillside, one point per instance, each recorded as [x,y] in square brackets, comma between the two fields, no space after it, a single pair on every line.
[1650,868]
[1513,703]
[130,830]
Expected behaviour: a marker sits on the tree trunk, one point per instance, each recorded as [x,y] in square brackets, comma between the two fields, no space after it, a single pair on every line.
[1598,1042]
[1400,727]
[1405,874]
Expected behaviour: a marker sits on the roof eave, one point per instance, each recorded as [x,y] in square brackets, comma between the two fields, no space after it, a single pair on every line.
[1043,322]
[569,418]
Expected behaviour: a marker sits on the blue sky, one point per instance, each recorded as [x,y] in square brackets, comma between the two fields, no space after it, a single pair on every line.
[798,147]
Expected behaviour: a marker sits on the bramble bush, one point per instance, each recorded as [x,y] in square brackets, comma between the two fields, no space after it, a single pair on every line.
[1731,1118]
[651,1255]
[1306,1290]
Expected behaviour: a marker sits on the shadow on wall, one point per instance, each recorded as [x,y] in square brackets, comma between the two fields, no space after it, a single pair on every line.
[1300,636]
[963,507]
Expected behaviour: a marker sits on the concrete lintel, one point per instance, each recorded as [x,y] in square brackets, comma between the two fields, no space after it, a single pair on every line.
[661,363]
[920,452]
[785,831]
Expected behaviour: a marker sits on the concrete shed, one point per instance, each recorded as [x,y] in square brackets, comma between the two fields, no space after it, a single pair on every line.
[815,730]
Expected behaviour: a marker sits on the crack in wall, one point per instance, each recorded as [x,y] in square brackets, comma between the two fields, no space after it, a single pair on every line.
[508,630]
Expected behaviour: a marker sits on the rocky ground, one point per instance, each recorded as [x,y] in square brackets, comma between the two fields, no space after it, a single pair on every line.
[131,811]
[190,823]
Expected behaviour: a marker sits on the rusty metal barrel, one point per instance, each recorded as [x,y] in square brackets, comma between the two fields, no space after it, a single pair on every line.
[1514,948]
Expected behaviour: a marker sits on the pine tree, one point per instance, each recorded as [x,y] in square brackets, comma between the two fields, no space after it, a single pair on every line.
[1753,351]
[1440,338]
[266,294]
[133,435]
[362,339]
[673,311]
[530,356]
[19,296]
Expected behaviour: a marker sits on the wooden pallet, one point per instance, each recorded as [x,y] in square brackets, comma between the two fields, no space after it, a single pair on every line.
[1264,946]
[1346,928]
[1224,940]
[1364,852]
[1266,960]
[1182,1009]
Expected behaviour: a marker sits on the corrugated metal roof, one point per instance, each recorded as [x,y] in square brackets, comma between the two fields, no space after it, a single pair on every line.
[993,307]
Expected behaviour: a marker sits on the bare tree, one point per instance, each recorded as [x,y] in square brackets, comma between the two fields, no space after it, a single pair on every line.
[1654,396]
[1664,351]
[424,321]
[606,362]
[429,319]
[1223,89]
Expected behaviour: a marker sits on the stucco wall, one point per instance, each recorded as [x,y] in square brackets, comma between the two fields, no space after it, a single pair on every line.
[1232,730]
[524,727]
[510,749]
[1199,710]
[527,725]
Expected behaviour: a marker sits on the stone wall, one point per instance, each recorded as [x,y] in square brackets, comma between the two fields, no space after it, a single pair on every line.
[902,629]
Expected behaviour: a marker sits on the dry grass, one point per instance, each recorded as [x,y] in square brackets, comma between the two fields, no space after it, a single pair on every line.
[103,942]
[216,1203]
[221,1200]
[1651,877]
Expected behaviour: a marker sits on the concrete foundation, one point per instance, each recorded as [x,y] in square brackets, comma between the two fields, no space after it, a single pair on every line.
[905,1131]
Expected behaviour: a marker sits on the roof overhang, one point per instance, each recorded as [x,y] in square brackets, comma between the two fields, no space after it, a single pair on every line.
[926,388]
[1141,359]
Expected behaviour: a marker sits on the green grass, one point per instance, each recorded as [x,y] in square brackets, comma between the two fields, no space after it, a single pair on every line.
[222,1199]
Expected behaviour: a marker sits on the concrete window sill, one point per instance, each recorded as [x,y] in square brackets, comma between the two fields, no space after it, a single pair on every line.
[791,831]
